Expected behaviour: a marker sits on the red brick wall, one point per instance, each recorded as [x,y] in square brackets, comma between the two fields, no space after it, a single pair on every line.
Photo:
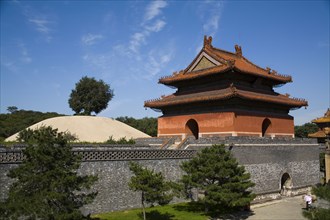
[280,126]
[212,122]
[226,123]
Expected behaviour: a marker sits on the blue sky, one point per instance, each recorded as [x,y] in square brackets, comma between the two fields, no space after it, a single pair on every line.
[48,46]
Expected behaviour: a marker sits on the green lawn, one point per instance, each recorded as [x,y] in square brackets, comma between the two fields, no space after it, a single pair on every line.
[180,211]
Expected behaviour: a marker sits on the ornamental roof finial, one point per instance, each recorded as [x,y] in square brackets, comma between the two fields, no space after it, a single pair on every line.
[327,114]
[238,50]
[207,41]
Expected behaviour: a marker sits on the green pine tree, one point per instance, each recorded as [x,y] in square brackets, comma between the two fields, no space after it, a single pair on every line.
[153,187]
[47,185]
[216,173]
[319,213]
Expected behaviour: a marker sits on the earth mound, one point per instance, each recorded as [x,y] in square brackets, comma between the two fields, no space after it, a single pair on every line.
[89,128]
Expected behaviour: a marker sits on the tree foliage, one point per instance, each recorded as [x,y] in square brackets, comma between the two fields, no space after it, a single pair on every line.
[319,213]
[12,109]
[47,185]
[20,119]
[32,136]
[217,174]
[146,125]
[90,96]
[302,131]
[122,140]
[153,187]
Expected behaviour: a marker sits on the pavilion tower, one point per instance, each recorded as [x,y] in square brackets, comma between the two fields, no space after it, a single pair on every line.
[224,94]
[324,127]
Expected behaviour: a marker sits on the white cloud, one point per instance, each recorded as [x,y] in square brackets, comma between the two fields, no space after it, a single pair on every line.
[148,26]
[90,39]
[212,23]
[165,58]
[157,26]
[136,40]
[41,22]
[210,13]
[25,57]
[101,61]
[154,9]
[156,62]
[121,50]
[21,57]
[139,65]
[41,25]
[147,67]
[11,66]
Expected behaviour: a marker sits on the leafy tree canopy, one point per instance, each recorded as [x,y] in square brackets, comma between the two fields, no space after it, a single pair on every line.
[33,136]
[153,187]
[302,131]
[12,109]
[146,125]
[122,140]
[47,185]
[20,119]
[216,173]
[90,96]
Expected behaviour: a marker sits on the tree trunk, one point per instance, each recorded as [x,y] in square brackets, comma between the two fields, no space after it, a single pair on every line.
[143,208]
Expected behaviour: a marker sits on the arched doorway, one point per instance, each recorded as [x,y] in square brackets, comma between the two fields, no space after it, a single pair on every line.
[286,184]
[266,125]
[192,128]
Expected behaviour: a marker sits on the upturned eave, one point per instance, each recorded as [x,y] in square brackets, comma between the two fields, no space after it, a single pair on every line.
[224,94]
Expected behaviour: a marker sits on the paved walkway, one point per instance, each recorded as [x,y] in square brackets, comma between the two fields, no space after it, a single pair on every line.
[288,208]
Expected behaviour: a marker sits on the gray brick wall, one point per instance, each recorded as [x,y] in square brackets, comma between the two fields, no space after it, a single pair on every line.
[264,158]
[112,186]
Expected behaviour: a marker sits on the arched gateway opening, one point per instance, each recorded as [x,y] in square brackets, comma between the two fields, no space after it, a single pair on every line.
[286,185]
[192,128]
[266,124]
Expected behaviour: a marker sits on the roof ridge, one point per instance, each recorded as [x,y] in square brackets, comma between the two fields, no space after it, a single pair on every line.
[225,51]
[269,70]
[239,55]
[181,72]
[215,56]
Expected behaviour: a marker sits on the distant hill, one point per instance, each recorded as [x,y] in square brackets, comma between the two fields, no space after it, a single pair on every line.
[18,120]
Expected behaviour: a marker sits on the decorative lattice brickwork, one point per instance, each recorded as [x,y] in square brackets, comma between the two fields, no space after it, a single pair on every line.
[16,156]
[11,156]
[134,154]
